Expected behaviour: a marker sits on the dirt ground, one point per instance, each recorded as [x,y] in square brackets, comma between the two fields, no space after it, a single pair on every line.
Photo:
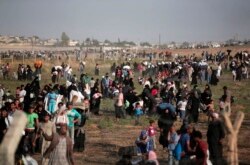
[102,146]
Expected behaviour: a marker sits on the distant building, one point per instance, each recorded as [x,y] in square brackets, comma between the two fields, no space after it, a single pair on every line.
[73,43]
[216,45]
[111,48]
[171,46]
[50,42]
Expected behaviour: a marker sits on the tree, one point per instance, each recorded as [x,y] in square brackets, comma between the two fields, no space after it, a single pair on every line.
[124,43]
[107,41]
[95,42]
[173,43]
[185,45]
[145,44]
[35,37]
[88,41]
[64,39]
[131,43]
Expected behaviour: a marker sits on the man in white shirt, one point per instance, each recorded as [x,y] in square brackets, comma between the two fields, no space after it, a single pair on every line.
[119,105]
[182,107]
[22,94]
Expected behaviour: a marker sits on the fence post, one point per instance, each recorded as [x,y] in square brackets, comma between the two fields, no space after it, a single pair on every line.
[12,138]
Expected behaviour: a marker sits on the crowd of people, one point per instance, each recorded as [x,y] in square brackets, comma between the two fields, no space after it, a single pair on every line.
[57,113]
[44,54]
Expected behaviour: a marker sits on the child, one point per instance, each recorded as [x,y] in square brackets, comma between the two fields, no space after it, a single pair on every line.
[182,104]
[152,132]
[143,143]
[210,109]
[138,112]
[52,97]
[61,118]
[48,127]
[173,139]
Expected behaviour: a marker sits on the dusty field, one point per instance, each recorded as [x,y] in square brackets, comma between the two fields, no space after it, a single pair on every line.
[234,49]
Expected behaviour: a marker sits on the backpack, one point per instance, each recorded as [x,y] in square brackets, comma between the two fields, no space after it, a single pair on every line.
[177,151]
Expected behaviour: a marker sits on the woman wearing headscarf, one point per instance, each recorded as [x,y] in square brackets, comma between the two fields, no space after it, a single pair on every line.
[206,95]
[60,150]
[95,101]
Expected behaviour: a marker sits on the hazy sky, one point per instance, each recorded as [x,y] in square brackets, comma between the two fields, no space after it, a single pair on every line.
[137,20]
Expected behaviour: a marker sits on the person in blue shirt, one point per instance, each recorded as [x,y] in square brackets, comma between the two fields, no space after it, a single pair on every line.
[138,112]
[144,143]
[52,97]
[185,144]
[106,86]
[173,139]
[73,117]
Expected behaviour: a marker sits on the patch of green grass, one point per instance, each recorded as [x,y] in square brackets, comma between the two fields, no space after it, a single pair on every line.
[106,123]
[240,91]
[129,120]
[91,121]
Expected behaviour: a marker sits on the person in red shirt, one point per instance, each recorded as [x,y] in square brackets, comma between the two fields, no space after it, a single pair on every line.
[152,132]
[200,149]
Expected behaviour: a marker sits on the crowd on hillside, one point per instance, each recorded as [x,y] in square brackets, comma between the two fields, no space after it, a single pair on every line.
[57,112]
[43,54]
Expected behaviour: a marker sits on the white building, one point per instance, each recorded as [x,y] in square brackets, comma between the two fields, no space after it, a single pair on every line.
[50,42]
[73,42]
[216,45]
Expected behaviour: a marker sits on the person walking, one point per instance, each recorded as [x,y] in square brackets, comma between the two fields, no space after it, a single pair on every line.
[215,135]
[138,112]
[119,102]
[48,127]
[73,117]
[173,139]
[52,97]
[30,133]
[181,105]
[185,141]
[60,151]
[200,149]
[152,132]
